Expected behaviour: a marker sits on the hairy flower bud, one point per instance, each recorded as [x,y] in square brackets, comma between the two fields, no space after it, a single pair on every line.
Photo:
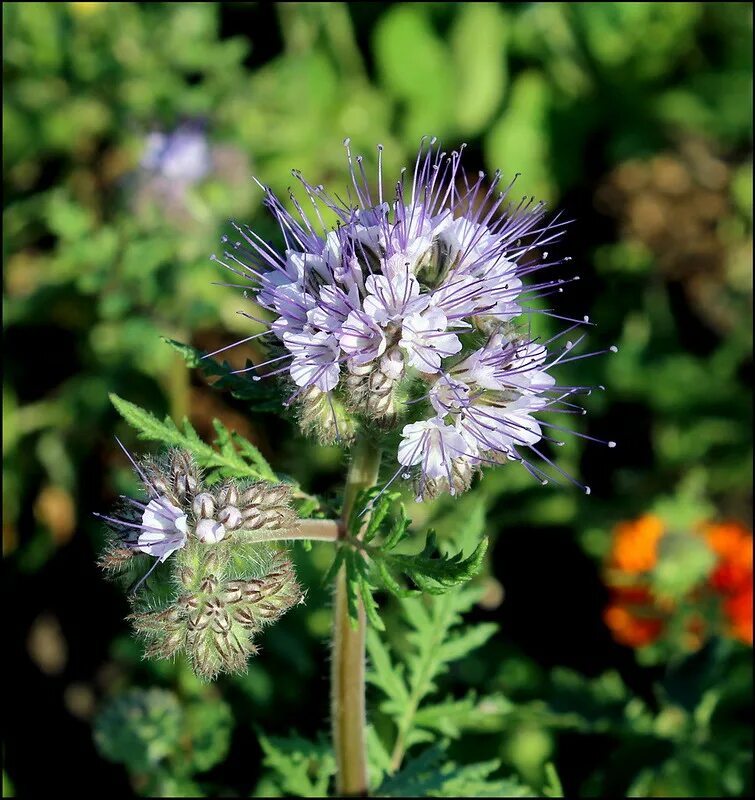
[115,557]
[325,417]
[209,532]
[211,586]
[228,495]
[184,474]
[231,517]
[214,623]
[204,505]
[462,472]
[265,505]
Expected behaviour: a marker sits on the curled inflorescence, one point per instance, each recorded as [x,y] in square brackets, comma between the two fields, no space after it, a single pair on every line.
[411,313]
[222,583]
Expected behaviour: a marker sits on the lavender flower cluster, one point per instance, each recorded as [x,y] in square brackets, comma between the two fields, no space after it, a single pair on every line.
[413,310]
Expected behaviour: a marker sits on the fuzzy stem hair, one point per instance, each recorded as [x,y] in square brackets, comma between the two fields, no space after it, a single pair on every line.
[348,657]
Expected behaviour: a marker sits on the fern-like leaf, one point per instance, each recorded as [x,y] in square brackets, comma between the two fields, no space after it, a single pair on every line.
[236,457]
[373,561]
[409,678]
[299,768]
[430,775]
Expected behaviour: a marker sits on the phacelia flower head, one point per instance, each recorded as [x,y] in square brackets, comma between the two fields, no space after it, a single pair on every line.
[214,580]
[411,315]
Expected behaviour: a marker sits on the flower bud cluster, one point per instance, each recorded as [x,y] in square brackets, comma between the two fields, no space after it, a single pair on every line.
[217,612]
[220,584]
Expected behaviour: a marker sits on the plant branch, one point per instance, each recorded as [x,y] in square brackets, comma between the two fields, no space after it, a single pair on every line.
[320,530]
[347,676]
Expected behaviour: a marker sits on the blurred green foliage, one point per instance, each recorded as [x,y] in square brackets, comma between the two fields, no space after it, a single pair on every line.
[163,741]
[635,117]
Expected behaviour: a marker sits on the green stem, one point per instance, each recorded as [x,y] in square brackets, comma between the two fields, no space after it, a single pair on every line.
[319,530]
[347,664]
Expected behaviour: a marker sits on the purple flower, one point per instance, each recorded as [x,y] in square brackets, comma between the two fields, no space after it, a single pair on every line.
[315,361]
[362,338]
[433,445]
[160,526]
[421,287]
[425,341]
[182,156]
[163,529]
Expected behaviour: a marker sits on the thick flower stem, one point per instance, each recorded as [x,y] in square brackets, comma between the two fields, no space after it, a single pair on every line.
[314,530]
[347,676]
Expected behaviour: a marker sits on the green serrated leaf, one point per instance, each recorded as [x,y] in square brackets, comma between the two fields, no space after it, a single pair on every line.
[452,717]
[433,572]
[383,673]
[431,647]
[378,758]
[474,780]
[430,775]
[390,583]
[244,462]
[463,643]
[398,531]
[338,560]
[370,606]
[252,454]
[419,776]
[300,768]
[378,513]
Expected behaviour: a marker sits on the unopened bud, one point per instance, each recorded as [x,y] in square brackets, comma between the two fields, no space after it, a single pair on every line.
[228,495]
[218,597]
[208,531]
[232,592]
[231,517]
[252,517]
[392,364]
[204,505]
[197,621]
[222,622]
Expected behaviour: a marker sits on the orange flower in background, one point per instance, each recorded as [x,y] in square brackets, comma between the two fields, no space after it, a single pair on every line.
[635,544]
[739,611]
[732,543]
[630,628]
[733,575]
[641,605]
[634,550]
